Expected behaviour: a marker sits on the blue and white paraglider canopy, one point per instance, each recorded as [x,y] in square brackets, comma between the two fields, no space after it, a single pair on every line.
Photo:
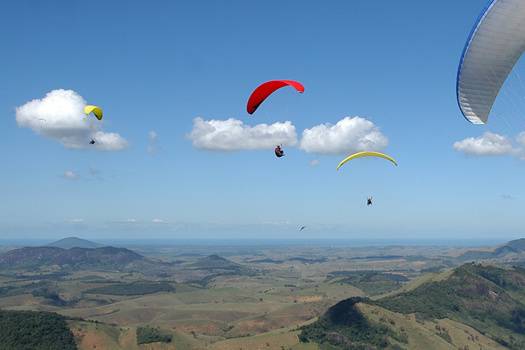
[495,44]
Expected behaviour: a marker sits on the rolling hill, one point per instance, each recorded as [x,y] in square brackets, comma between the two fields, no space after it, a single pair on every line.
[74,258]
[486,300]
[516,247]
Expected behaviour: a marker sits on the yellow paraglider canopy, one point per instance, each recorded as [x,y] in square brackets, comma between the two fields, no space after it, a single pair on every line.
[366,154]
[97,111]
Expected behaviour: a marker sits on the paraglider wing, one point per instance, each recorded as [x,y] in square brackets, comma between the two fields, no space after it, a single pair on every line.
[494,46]
[266,89]
[366,154]
[97,111]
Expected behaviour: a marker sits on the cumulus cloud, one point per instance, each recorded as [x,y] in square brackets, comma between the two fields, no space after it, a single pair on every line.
[152,142]
[59,116]
[234,135]
[489,144]
[507,197]
[350,134]
[70,175]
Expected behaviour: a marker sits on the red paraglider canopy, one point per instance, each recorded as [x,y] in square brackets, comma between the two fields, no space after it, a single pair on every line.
[266,89]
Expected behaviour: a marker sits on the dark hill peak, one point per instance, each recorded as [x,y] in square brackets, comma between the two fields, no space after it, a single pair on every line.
[213,262]
[71,242]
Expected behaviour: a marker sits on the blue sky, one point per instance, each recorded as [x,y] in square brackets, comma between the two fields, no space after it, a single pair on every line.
[157,66]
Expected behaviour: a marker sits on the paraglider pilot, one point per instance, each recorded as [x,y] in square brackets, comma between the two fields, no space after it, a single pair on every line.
[279,152]
[369,201]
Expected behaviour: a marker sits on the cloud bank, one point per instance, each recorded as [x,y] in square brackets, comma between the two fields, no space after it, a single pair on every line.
[59,116]
[350,134]
[234,135]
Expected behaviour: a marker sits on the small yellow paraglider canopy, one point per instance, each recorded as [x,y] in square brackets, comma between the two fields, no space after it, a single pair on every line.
[97,111]
[366,154]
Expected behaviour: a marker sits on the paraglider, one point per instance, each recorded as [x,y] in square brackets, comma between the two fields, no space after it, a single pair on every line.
[302,228]
[279,152]
[97,111]
[266,89]
[494,46]
[366,154]
[369,201]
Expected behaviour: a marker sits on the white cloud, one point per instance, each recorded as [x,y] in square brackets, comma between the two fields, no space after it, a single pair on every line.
[75,221]
[59,116]
[130,221]
[489,144]
[521,138]
[234,135]
[159,221]
[350,134]
[152,142]
[109,141]
[70,175]
[314,162]
[507,197]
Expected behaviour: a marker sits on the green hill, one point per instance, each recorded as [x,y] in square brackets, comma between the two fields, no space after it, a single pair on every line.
[487,299]
[29,330]
[344,326]
[217,264]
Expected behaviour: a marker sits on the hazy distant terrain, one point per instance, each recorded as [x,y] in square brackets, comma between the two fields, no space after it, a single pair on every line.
[272,297]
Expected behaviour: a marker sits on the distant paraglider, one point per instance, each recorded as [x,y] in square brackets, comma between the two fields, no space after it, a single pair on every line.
[369,201]
[279,152]
[302,228]
[266,89]
[494,46]
[366,154]
[97,112]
